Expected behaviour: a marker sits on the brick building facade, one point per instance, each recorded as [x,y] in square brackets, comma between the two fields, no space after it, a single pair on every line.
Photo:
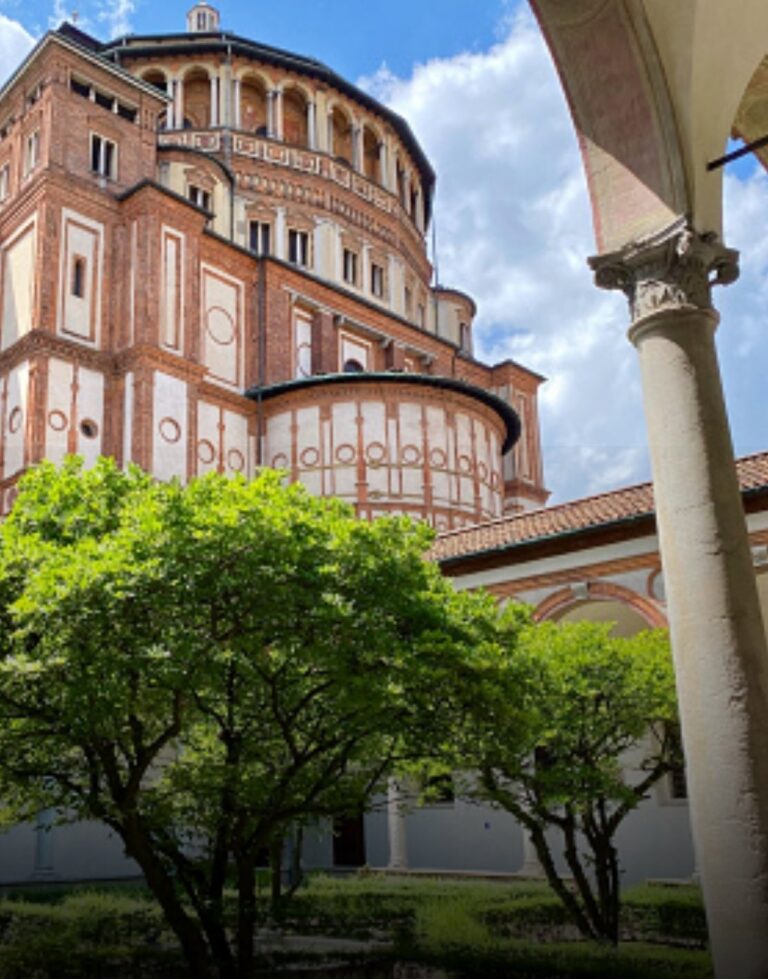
[213,257]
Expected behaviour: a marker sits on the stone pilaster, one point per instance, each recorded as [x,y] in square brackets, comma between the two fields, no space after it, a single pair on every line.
[718,637]
[398,847]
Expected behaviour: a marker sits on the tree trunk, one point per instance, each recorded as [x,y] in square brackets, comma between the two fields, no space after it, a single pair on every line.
[276,883]
[188,932]
[246,916]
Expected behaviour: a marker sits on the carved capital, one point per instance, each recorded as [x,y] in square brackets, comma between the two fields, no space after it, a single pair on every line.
[674,269]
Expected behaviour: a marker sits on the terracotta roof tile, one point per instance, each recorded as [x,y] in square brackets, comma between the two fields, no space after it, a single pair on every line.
[592,511]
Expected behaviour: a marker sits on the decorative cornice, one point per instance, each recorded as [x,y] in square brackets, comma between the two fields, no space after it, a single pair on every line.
[673,269]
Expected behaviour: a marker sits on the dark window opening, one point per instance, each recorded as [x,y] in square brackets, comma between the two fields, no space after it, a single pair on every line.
[298,247]
[89,428]
[260,237]
[353,366]
[78,277]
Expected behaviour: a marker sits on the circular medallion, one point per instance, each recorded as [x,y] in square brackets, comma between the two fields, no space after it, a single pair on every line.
[280,461]
[465,464]
[170,430]
[57,420]
[346,454]
[206,453]
[309,457]
[438,458]
[410,455]
[14,419]
[482,471]
[220,326]
[236,460]
[376,453]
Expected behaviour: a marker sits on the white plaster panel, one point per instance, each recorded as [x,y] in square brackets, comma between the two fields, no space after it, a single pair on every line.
[277,453]
[15,420]
[17,279]
[128,419]
[172,291]
[222,325]
[236,445]
[90,407]
[169,428]
[302,344]
[58,421]
[79,316]
[208,437]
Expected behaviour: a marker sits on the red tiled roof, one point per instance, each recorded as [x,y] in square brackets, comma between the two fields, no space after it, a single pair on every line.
[592,511]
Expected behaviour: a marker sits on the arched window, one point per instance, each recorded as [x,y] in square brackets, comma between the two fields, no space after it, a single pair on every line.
[353,366]
[341,135]
[253,105]
[371,165]
[197,99]
[295,125]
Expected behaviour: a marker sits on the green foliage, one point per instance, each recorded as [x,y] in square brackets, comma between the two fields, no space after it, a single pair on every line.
[548,724]
[89,934]
[203,667]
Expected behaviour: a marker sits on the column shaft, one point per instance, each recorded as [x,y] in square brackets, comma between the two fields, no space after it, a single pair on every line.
[398,848]
[718,636]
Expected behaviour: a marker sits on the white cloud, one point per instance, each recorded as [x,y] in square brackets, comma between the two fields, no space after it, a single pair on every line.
[514,230]
[15,43]
[116,16]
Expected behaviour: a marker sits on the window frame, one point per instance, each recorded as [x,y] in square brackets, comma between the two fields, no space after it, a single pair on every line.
[103,156]
[299,253]
[263,229]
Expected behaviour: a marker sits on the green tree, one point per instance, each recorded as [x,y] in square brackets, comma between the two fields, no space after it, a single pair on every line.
[568,728]
[203,667]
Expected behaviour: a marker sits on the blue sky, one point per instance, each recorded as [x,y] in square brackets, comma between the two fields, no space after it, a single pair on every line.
[475,81]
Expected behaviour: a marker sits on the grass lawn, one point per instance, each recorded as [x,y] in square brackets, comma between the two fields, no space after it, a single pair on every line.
[362,926]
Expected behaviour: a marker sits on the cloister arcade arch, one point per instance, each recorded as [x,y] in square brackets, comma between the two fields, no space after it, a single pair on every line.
[655,89]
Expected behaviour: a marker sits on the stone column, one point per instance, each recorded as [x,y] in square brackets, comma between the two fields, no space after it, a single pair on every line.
[271,113]
[214,114]
[278,113]
[236,121]
[718,638]
[311,125]
[179,104]
[398,844]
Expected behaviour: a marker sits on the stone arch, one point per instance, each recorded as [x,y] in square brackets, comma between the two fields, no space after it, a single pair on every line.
[554,607]
[340,133]
[197,97]
[295,115]
[158,77]
[371,153]
[254,93]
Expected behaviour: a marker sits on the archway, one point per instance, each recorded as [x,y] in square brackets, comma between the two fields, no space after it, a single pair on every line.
[341,135]
[295,122]
[253,105]
[654,88]
[158,78]
[371,155]
[197,99]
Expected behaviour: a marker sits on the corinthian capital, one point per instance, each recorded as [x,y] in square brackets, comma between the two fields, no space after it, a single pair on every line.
[672,269]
